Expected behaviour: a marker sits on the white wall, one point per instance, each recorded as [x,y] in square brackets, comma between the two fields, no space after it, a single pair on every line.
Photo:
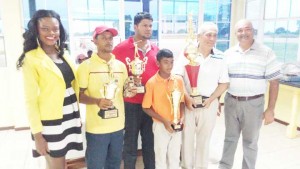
[11,99]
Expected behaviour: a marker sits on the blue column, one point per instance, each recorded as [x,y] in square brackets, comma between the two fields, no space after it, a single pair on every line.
[146,5]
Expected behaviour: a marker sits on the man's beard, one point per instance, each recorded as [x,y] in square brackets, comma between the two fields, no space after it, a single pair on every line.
[147,38]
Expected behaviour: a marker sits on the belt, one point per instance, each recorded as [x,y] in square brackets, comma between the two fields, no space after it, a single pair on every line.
[203,97]
[245,98]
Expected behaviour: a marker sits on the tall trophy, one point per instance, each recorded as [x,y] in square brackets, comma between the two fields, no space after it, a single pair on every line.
[193,67]
[175,97]
[109,91]
[137,68]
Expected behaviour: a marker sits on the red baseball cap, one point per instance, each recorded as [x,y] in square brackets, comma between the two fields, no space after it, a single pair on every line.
[100,29]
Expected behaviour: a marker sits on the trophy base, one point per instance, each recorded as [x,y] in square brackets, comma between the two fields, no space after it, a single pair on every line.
[140,89]
[177,127]
[109,113]
[198,101]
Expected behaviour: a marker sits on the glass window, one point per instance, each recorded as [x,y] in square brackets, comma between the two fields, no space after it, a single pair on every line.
[83,29]
[154,9]
[59,6]
[167,8]
[224,12]
[192,8]
[26,13]
[79,9]
[223,45]
[282,35]
[154,12]
[131,9]
[254,4]
[210,11]
[292,42]
[255,27]
[270,9]
[269,31]
[295,8]
[292,47]
[283,8]
[174,15]
[180,8]
[86,16]
[280,29]
[223,33]
[180,24]
[279,47]
[219,12]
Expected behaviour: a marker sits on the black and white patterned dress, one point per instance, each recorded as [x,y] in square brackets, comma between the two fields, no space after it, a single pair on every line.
[64,134]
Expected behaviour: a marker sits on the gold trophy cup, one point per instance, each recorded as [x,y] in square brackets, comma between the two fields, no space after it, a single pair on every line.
[175,99]
[109,92]
[193,67]
[137,68]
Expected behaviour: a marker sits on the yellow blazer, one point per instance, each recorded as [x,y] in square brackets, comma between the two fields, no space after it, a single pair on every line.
[44,87]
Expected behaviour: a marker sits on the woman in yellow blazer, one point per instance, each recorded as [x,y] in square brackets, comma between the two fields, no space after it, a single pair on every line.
[50,85]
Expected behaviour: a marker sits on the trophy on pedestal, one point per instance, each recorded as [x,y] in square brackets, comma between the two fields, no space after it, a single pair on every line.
[193,67]
[137,68]
[109,92]
[175,97]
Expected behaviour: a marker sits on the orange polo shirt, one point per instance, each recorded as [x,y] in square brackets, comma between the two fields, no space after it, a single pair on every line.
[158,95]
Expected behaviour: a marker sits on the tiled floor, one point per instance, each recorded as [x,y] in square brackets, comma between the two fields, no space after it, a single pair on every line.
[276,151]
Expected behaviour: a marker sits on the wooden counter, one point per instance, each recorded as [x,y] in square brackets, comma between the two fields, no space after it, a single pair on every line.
[288,106]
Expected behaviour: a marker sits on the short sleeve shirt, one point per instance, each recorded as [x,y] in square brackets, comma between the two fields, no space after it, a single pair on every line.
[213,70]
[158,96]
[250,70]
[93,74]
[126,51]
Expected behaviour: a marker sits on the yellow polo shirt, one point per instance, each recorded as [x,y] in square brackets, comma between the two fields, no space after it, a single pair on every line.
[92,75]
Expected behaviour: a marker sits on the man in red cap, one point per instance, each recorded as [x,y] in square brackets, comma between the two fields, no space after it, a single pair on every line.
[105,116]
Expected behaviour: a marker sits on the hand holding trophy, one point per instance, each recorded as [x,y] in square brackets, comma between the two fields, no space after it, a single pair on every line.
[137,68]
[193,67]
[175,98]
[109,92]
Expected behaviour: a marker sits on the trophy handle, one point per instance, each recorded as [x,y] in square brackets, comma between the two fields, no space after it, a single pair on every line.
[128,63]
[144,63]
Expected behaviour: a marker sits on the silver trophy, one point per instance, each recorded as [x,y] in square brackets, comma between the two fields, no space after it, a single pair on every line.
[137,68]
[175,99]
[109,91]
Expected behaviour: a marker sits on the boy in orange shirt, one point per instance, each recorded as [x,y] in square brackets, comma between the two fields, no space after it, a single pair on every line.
[161,105]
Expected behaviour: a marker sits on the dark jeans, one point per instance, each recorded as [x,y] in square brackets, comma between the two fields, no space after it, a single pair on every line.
[136,120]
[104,150]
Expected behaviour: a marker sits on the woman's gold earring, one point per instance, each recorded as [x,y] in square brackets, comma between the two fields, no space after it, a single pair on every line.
[38,42]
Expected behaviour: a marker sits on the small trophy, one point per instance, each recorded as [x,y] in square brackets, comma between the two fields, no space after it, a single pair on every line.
[109,92]
[175,98]
[193,67]
[137,68]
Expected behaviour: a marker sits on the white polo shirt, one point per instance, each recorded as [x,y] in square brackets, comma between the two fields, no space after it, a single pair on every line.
[213,70]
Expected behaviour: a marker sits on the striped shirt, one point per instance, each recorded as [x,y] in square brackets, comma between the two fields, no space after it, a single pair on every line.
[249,71]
